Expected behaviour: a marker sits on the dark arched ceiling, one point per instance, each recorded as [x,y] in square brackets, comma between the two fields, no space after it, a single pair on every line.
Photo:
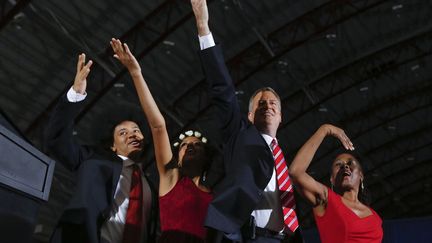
[361,64]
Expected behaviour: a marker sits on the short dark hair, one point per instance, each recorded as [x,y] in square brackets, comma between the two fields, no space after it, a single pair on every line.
[106,133]
[112,127]
[104,125]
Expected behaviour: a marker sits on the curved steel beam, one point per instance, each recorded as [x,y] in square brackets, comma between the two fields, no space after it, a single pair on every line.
[106,87]
[400,46]
[325,12]
[420,91]
[326,9]
[152,16]
[18,7]
[405,137]
[426,165]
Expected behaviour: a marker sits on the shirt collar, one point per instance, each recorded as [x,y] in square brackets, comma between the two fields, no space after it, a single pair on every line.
[122,157]
[268,138]
[126,161]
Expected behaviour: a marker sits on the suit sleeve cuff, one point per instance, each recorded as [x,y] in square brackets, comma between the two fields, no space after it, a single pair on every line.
[206,41]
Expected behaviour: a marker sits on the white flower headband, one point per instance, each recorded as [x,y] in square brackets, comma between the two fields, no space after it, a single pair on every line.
[190,133]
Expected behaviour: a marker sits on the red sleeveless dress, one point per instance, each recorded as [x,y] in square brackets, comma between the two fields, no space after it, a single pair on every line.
[340,224]
[182,213]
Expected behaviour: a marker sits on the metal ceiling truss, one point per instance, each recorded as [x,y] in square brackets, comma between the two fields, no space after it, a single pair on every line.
[395,152]
[417,170]
[53,27]
[402,201]
[9,9]
[145,35]
[419,99]
[390,191]
[295,34]
[389,59]
[201,87]
[363,72]
[290,36]
[420,203]
[391,152]
[424,106]
[286,38]
[383,113]
[412,142]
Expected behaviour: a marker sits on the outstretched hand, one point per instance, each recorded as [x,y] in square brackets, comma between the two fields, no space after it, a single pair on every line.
[339,134]
[200,11]
[124,55]
[83,70]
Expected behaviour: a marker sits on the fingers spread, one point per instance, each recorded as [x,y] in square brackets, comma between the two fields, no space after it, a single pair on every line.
[118,48]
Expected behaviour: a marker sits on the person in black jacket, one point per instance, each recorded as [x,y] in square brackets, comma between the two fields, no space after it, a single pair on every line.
[249,203]
[98,208]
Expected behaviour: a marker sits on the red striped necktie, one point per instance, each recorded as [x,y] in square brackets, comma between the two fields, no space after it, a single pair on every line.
[134,216]
[285,188]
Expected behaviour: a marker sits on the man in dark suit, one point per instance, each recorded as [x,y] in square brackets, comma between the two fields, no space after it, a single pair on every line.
[99,209]
[254,202]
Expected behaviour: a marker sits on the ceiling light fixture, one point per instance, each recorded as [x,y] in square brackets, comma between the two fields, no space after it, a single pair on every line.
[364,89]
[322,109]
[391,127]
[415,67]
[168,43]
[397,7]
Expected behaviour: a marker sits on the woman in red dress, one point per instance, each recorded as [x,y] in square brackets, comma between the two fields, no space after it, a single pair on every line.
[183,194]
[183,207]
[340,213]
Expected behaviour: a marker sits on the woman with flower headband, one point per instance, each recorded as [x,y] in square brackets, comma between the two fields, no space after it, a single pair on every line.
[183,194]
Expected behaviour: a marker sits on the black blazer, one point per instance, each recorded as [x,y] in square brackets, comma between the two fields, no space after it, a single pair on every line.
[97,177]
[248,160]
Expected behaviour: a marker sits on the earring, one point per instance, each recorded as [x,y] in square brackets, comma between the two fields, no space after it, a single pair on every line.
[362,186]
